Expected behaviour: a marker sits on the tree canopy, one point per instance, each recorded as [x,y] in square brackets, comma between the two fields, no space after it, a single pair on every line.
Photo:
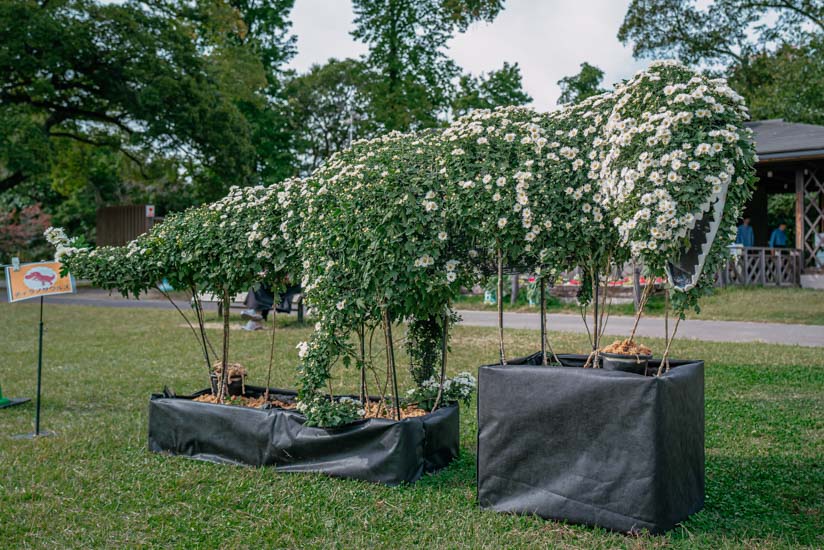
[407,42]
[586,83]
[770,50]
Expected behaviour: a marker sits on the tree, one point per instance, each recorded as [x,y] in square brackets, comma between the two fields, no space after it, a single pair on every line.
[771,50]
[146,79]
[407,41]
[782,84]
[723,33]
[496,88]
[582,85]
[329,106]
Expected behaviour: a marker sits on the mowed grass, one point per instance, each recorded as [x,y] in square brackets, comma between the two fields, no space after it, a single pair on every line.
[757,304]
[95,484]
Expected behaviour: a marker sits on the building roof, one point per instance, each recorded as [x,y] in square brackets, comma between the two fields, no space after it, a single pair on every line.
[776,140]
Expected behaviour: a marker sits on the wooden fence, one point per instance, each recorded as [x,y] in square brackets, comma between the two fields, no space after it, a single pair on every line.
[758,265]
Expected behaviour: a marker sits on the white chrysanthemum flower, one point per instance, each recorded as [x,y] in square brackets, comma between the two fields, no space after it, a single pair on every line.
[502,223]
[442,235]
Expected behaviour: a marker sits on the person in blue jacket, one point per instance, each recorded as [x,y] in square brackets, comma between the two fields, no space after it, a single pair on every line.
[778,239]
[744,236]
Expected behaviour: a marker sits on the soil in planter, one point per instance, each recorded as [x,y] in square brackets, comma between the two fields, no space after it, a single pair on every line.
[374,409]
[243,401]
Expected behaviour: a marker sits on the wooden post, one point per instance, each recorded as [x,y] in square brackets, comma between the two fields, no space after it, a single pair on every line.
[799,212]
[636,285]
[762,266]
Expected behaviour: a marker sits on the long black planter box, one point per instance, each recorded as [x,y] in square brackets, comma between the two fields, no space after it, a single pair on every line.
[606,448]
[376,450]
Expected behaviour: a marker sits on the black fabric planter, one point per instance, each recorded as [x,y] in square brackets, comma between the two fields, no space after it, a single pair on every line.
[376,450]
[608,448]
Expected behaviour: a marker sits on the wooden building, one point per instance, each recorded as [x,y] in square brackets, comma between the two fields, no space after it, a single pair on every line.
[790,160]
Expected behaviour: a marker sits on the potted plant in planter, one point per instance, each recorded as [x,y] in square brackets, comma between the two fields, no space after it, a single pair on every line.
[225,247]
[604,446]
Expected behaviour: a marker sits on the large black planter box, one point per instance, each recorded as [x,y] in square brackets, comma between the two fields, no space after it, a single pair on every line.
[377,450]
[607,448]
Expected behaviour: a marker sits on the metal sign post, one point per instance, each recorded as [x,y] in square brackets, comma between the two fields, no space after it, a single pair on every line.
[37,432]
[36,280]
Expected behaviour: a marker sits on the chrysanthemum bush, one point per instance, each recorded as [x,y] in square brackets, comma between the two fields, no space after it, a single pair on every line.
[391,229]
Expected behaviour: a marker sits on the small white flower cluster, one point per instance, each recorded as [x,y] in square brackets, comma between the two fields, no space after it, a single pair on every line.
[425,261]
[57,237]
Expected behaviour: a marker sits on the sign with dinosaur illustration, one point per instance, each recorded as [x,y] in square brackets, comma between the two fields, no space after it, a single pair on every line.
[37,279]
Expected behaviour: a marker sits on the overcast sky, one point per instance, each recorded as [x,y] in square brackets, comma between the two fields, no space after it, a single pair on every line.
[549,39]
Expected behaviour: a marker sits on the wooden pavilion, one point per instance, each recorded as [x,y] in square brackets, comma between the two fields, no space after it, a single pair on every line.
[790,160]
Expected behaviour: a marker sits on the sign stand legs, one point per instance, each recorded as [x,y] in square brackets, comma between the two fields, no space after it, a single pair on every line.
[37,431]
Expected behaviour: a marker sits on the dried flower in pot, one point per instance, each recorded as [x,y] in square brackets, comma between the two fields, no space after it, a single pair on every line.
[627,356]
[236,381]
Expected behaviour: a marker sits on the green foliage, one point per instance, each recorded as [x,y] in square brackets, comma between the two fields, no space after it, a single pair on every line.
[586,83]
[394,227]
[424,344]
[407,54]
[21,234]
[783,83]
[771,51]
[457,389]
[399,224]
[494,89]
[330,413]
[152,86]
[326,104]
[721,33]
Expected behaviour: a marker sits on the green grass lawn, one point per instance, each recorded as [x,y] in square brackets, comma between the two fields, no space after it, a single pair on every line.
[95,484]
[757,304]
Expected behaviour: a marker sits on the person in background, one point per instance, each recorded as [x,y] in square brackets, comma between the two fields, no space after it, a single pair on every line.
[778,239]
[258,301]
[744,236]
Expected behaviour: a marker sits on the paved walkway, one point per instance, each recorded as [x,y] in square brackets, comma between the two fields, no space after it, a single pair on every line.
[711,331]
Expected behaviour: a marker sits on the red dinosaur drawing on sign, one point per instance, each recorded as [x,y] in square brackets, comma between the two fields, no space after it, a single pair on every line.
[40,277]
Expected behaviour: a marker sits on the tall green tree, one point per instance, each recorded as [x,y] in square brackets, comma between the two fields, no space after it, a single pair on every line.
[160,78]
[329,106]
[770,49]
[134,77]
[495,88]
[407,52]
[582,85]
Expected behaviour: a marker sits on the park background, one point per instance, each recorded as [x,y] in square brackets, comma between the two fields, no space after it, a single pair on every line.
[170,103]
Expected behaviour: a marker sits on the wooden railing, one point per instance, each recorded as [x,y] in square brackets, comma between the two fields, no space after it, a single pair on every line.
[758,265]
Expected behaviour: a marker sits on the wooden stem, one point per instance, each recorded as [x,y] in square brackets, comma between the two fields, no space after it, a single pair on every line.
[390,355]
[444,338]
[543,322]
[644,298]
[271,358]
[501,305]
[194,332]
[362,338]
[597,283]
[665,358]
[224,379]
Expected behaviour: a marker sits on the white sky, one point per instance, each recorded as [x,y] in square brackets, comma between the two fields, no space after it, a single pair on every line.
[549,39]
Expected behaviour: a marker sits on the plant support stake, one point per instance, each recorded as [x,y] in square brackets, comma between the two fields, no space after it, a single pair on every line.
[443,359]
[501,303]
